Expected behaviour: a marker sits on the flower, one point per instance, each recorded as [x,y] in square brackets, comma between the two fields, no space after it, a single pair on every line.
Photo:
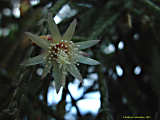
[60,54]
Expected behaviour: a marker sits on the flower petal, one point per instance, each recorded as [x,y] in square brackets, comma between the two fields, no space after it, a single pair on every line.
[46,70]
[59,77]
[86,44]
[56,36]
[73,70]
[86,60]
[70,31]
[34,60]
[37,40]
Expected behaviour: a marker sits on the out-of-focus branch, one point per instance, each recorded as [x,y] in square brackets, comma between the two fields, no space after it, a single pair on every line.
[49,110]
[56,7]
[151,4]
[74,103]
[105,112]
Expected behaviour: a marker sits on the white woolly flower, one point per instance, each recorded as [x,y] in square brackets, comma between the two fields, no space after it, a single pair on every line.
[60,53]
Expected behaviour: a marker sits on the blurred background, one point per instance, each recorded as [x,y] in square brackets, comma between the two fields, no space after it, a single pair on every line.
[125,84]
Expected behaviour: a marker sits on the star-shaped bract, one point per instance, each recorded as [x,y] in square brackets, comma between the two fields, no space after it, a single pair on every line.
[60,54]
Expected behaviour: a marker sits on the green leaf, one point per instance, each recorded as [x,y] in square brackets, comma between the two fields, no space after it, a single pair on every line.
[59,77]
[46,70]
[56,36]
[38,41]
[86,44]
[70,31]
[86,60]
[34,60]
[73,70]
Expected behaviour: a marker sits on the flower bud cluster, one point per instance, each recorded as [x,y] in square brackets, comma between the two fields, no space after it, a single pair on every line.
[64,52]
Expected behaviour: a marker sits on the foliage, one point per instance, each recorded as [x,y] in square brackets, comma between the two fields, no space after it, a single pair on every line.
[129,53]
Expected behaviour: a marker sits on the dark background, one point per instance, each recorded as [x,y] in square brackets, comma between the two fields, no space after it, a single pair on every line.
[131,23]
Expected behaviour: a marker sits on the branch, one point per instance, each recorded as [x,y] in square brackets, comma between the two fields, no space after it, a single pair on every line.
[152,5]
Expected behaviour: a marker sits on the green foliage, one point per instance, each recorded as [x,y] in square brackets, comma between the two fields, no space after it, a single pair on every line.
[106,23]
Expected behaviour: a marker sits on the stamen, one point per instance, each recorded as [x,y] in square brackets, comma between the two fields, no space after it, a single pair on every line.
[64,52]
